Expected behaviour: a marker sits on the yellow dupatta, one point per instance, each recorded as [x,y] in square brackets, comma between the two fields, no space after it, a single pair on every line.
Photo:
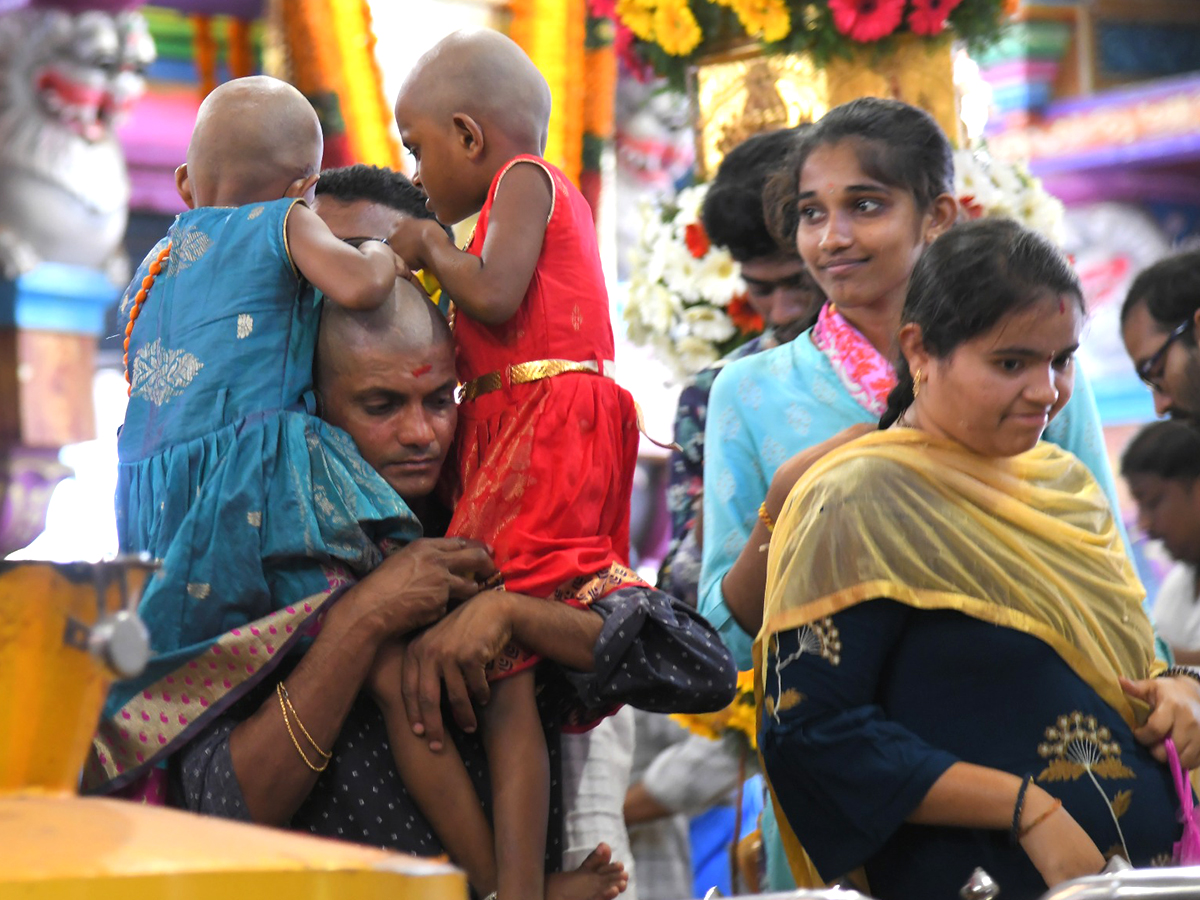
[1026,542]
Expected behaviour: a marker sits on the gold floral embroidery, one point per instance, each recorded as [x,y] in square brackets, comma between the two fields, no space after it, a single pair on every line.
[1078,745]
[255,213]
[199,591]
[254,519]
[820,638]
[245,325]
[160,374]
[192,245]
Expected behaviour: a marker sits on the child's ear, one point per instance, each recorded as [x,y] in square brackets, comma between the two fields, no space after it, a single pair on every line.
[183,185]
[469,134]
[304,187]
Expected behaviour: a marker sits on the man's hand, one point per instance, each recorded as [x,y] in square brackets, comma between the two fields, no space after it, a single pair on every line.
[1174,712]
[411,588]
[455,651]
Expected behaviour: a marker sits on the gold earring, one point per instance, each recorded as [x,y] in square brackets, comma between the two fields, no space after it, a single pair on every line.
[916,383]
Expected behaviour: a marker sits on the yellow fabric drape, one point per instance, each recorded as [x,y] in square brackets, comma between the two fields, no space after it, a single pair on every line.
[1027,542]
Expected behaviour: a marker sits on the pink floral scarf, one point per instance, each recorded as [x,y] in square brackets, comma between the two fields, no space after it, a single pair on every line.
[864,371]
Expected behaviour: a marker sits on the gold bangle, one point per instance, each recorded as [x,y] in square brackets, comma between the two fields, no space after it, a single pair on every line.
[765,517]
[1054,807]
[291,734]
[288,700]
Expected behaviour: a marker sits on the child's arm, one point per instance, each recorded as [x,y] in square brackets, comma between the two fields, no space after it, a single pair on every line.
[353,277]
[490,288]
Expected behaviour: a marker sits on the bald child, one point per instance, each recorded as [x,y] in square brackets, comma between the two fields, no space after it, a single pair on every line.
[547,440]
[225,474]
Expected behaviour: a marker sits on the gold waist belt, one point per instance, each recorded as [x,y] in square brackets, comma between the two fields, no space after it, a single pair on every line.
[536,370]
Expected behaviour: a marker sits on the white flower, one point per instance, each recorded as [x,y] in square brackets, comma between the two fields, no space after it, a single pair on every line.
[709,323]
[718,277]
[695,354]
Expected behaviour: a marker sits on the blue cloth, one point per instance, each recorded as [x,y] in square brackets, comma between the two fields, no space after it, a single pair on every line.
[764,409]
[224,474]
[710,834]
[856,755]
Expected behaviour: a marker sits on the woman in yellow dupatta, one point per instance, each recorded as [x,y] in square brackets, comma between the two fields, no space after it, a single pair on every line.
[953,637]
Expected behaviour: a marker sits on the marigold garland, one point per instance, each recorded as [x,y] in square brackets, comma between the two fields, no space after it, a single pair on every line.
[204,46]
[671,35]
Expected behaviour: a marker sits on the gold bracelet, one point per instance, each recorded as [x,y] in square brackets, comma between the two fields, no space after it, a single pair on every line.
[291,734]
[1055,807]
[288,700]
[765,517]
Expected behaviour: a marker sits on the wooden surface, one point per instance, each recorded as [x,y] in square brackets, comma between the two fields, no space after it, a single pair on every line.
[46,388]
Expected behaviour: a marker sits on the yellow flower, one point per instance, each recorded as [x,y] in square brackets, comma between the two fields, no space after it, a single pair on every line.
[765,19]
[638,16]
[675,28]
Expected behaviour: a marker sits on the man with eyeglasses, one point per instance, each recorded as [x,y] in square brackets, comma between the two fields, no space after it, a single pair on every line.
[1159,324]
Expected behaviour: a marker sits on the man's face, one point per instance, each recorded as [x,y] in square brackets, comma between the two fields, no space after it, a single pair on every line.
[399,408]
[1171,358]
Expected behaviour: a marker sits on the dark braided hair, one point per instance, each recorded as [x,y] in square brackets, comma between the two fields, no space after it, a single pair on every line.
[896,144]
[969,279]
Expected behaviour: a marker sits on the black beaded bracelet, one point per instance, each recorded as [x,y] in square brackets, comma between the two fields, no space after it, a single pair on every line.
[1014,833]
[1180,672]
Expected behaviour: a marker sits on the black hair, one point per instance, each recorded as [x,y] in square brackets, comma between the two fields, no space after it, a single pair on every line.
[1170,289]
[1168,449]
[733,207]
[896,144]
[968,280]
[376,184]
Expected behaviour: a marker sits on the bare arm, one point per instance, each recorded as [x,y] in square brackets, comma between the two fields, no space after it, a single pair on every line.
[354,277]
[971,796]
[745,584]
[408,590]
[488,288]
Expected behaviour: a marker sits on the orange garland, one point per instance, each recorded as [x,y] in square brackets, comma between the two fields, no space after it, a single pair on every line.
[206,53]
[136,310]
[240,48]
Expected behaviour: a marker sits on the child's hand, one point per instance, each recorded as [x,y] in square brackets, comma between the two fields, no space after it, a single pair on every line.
[414,240]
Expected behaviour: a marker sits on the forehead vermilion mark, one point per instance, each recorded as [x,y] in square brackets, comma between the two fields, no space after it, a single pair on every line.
[417,373]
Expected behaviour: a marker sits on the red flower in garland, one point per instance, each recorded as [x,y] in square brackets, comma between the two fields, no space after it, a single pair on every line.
[696,239]
[866,20]
[744,316]
[929,16]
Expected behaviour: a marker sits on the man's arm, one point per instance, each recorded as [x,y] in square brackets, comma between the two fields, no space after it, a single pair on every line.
[636,645]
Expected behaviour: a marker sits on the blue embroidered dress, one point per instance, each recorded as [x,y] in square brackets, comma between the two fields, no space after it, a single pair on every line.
[225,475]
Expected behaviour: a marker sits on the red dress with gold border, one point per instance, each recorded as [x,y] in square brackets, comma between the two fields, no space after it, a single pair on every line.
[546,468]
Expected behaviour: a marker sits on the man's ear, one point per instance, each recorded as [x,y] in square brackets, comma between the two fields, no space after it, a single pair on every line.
[912,346]
[469,134]
[303,187]
[183,185]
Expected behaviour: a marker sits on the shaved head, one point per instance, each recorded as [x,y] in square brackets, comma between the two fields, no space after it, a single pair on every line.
[252,136]
[405,325]
[484,74]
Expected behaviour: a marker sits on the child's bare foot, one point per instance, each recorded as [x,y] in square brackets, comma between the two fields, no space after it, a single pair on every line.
[597,878]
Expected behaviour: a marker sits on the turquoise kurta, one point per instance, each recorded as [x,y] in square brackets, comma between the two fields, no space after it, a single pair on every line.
[763,410]
[224,474]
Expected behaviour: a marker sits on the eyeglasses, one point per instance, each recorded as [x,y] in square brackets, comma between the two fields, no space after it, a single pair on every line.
[1150,368]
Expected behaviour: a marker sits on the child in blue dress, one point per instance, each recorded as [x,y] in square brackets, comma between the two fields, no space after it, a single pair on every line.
[250,501]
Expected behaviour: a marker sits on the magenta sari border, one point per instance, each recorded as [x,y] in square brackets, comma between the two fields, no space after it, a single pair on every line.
[164,717]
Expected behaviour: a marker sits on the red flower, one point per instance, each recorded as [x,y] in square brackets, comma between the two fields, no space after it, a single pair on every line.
[696,239]
[929,16]
[744,316]
[866,20]
[972,207]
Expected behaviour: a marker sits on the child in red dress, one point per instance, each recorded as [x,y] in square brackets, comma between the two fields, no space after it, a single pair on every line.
[547,440]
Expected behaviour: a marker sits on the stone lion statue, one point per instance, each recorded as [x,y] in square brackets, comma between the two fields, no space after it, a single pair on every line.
[65,79]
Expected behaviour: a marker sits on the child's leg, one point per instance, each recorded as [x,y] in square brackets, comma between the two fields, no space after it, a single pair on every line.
[520,772]
[443,791]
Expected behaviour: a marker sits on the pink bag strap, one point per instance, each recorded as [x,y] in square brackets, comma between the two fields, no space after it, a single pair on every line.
[1182,788]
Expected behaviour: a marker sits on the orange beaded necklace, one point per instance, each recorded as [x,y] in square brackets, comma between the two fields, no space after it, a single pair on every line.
[138,299]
